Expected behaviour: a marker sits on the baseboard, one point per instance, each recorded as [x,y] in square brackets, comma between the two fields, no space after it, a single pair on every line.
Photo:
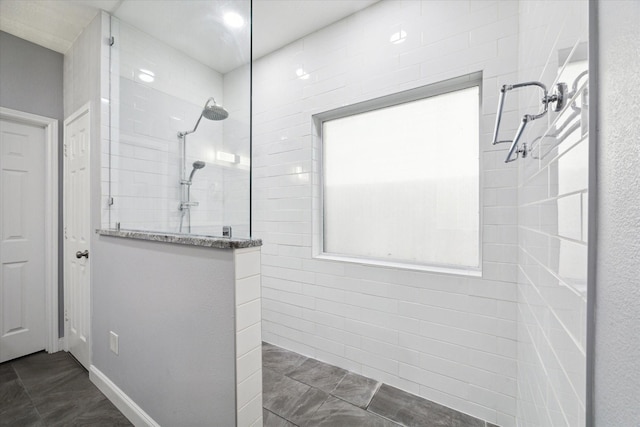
[124,403]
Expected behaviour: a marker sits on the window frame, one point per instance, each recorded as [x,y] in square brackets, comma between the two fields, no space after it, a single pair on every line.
[430,90]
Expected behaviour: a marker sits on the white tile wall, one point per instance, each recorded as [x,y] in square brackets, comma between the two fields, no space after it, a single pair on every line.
[146,153]
[552,219]
[450,338]
[248,337]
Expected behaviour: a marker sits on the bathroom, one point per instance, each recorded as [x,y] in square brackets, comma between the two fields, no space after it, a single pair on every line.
[510,332]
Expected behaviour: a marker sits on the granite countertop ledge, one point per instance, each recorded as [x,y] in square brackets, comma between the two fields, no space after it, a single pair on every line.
[183,239]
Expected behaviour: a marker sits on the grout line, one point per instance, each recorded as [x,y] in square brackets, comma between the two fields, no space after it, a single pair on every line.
[24,387]
[374,395]
[337,384]
[276,415]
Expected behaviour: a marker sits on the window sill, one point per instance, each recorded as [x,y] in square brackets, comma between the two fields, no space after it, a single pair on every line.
[459,271]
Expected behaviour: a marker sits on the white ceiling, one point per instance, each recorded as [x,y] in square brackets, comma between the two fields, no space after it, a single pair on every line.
[277,23]
[50,23]
[184,25]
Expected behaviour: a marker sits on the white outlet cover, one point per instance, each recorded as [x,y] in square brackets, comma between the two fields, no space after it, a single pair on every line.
[113,342]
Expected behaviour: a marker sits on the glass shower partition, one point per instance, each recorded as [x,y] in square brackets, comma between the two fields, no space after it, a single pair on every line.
[180,137]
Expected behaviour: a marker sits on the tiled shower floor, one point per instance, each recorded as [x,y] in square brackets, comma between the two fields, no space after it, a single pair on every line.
[300,391]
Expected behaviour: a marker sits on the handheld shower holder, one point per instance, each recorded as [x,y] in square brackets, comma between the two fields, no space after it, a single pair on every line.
[185,206]
[558,97]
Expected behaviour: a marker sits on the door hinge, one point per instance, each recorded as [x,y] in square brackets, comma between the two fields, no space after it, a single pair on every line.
[66,315]
[65,150]
[112,41]
[109,201]
[65,232]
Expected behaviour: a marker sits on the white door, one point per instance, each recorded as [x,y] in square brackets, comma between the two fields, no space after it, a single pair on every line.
[22,252]
[76,233]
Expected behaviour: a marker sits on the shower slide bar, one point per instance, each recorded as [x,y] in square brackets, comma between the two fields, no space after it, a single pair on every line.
[558,97]
[210,111]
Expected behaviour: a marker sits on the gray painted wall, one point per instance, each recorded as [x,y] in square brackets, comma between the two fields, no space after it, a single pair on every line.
[32,82]
[173,309]
[31,77]
[617,303]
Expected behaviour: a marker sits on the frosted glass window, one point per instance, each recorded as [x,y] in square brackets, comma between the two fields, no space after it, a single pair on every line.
[401,183]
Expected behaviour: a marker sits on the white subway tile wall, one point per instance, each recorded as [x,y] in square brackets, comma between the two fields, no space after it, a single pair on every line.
[248,337]
[146,153]
[552,197]
[449,338]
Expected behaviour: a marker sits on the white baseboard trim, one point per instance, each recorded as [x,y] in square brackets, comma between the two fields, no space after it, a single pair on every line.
[124,403]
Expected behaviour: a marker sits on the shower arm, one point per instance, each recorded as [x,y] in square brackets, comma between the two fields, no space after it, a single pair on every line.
[558,97]
[187,132]
[514,145]
[503,94]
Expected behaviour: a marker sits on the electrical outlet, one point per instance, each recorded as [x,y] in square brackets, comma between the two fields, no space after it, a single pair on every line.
[113,342]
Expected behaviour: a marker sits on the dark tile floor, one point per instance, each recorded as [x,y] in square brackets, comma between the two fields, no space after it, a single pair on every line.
[55,390]
[299,391]
[52,390]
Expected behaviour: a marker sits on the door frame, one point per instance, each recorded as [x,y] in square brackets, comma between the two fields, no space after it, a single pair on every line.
[51,213]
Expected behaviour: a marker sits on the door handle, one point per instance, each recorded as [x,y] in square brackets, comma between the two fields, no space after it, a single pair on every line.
[82,254]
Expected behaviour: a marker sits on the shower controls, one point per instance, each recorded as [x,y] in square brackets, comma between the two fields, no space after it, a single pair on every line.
[186,205]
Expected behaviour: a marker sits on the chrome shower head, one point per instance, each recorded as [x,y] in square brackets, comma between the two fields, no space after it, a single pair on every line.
[214,112]
[209,112]
[198,164]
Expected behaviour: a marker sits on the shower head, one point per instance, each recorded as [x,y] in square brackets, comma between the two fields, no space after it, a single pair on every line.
[198,164]
[209,112]
[214,112]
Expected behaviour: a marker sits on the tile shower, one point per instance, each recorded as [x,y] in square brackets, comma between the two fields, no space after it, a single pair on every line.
[506,345]
[498,347]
